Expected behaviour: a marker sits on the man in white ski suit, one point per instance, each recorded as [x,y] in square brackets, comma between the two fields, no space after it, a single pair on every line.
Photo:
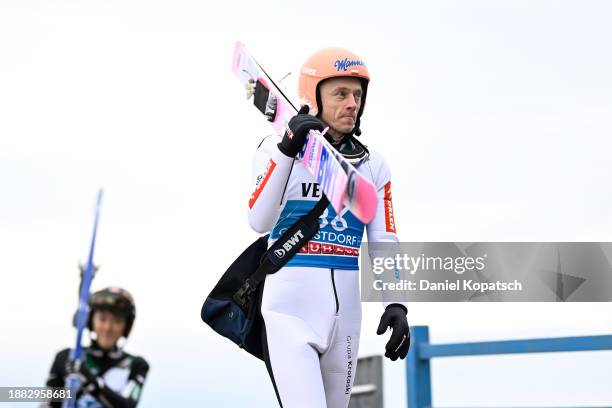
[311,307]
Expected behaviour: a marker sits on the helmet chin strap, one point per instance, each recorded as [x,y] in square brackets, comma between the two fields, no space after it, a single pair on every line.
[356,130]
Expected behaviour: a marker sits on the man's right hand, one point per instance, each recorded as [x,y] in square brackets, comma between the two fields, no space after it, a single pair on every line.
[299,126]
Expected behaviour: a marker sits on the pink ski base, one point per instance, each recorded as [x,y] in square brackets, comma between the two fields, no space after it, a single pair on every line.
[362,204]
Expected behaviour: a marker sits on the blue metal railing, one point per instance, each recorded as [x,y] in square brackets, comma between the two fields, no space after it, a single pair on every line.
[418,369]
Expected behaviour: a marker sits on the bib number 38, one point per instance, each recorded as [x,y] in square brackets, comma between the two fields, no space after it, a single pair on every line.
[338,223]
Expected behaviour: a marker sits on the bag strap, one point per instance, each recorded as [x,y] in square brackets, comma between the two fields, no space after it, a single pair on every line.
[285,247]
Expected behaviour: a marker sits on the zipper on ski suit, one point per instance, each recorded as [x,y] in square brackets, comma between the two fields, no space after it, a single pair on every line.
[335,293]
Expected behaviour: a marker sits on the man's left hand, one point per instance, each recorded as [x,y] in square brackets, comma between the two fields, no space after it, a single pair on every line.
[399,343]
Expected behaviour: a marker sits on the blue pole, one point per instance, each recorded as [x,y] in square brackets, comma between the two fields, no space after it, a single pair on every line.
[585,343]
[82,314]
[421,352]
[418,372]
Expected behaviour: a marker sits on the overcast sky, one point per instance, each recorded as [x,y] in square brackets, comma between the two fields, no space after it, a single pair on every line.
[495,117]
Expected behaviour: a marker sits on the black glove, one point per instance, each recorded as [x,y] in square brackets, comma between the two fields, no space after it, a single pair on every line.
[299,126]
[399,343]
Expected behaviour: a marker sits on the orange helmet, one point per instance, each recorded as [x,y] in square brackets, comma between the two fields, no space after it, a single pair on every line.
[330,63]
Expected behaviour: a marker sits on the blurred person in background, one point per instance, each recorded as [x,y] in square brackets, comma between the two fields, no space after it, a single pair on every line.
[109,377]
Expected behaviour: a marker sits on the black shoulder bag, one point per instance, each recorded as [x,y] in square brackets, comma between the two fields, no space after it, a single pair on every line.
[232,308]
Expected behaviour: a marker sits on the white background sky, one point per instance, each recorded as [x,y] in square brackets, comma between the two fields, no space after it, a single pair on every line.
[494,117]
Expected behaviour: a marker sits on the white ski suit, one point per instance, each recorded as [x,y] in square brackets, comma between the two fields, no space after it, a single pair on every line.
[311,307]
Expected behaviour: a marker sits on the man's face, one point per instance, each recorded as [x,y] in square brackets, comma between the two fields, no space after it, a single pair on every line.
[341,100]
[108,328]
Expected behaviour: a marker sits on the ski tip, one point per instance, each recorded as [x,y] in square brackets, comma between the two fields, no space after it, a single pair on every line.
[239,48]
[236,57]
[368,216]
[364,205]
[365,215]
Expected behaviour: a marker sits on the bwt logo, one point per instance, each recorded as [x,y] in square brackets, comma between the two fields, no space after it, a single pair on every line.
[343,65]
[289,244]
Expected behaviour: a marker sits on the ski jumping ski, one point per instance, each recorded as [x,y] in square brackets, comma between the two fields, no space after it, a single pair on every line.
[82,313]
[340,181]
